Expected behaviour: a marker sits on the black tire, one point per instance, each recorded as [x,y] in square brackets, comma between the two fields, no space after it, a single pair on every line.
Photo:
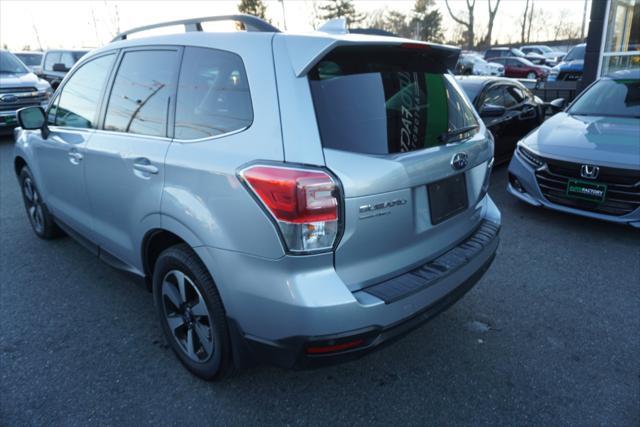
[41,220]
[209,357]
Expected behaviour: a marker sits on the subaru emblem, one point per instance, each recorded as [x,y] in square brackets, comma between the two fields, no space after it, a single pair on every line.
[589,171]
[459,161]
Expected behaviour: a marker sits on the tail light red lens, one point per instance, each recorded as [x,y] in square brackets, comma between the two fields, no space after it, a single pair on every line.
[303,202]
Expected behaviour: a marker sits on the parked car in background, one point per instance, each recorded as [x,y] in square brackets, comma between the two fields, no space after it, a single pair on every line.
[586,160]
[33,60]
[58,62]
[473,64]
[522,68]
[571,67]
[507,108]
[295,206]
[504,52]
[552,57]
[19,87]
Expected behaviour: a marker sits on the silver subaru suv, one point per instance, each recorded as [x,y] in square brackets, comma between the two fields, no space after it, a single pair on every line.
[291,199]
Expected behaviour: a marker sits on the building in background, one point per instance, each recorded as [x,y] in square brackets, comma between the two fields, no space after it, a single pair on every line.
[614,38]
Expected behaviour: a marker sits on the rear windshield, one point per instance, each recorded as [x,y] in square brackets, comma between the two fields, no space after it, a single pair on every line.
[383,101]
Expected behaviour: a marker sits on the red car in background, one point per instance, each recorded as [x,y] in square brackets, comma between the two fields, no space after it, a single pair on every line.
[522,68]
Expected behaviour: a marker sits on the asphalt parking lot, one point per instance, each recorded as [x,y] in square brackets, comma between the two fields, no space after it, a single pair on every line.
[550,335]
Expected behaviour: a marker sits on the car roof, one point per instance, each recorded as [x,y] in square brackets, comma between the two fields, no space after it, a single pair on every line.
[631,74]
[67,50]
[483,80]
[304,48]
[27,52]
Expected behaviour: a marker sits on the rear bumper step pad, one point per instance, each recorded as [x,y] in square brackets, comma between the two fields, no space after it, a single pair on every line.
[435,270]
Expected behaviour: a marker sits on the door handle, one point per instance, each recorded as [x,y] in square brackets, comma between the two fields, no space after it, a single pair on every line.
[75,157]
[144,165]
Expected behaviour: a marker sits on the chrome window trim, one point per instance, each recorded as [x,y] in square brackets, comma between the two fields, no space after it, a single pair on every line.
[208,138]
[135,135]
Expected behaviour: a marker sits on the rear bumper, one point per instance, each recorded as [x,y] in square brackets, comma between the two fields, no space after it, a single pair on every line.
[290,352]
[528,190]
[278,309]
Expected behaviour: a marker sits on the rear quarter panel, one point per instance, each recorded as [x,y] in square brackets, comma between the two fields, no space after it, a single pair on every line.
[202,195]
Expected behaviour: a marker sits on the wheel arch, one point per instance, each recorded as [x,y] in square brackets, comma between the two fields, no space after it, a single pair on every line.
[156,240]
[18,164]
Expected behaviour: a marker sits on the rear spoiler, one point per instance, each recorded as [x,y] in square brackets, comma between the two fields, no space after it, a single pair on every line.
[305,51]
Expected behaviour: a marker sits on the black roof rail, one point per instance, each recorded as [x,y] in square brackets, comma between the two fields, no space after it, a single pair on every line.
[250,22]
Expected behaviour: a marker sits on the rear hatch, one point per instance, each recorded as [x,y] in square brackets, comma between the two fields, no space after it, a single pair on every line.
[410,153]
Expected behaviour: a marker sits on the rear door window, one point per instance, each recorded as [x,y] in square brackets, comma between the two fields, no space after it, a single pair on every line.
[213,94]
[139,100]
[67,59]
[519,94]
[50,59]
[494,96]
[382,101]
[510,99]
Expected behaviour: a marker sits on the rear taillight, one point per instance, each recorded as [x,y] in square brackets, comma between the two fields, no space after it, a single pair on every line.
[303,203]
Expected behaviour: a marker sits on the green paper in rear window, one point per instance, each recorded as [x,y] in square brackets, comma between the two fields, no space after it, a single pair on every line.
[379,101]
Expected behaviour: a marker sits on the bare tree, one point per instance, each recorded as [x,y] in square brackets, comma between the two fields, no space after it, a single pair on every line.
[469,35]
[492,16]
[523,29]
[94,21]
[316,13]
[564,28]
[530,21]
[35,31]
[115,20]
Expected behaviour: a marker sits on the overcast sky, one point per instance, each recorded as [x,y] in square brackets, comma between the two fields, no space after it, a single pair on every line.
[92,23]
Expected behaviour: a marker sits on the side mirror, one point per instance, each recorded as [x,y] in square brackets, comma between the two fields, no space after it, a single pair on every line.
[60,68]
[32,118]
[490,110]
[557,105]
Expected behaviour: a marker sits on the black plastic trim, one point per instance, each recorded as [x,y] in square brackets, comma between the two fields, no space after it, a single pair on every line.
[436,270]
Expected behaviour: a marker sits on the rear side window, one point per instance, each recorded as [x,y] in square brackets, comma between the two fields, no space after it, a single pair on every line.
[372,101]
[213,94]
[139,100]
[510,98]
[494,96]
[50,59]
[77,105]
[70,58]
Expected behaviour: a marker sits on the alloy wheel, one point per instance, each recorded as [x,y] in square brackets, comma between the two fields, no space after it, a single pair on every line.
[34,205]
[187,316]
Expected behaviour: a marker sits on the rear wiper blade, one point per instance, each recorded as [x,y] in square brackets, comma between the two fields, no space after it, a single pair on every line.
[447,136]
